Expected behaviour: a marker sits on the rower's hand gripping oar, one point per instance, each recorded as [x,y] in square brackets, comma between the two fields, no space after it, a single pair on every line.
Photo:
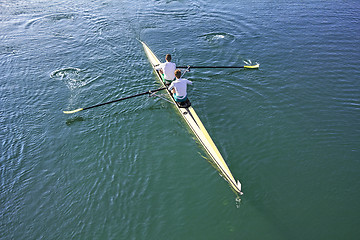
[256,66]
[117,100]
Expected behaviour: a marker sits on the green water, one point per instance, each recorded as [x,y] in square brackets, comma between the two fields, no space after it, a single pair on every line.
[289,131]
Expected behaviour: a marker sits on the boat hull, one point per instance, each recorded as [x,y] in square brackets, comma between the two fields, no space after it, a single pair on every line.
[193,121]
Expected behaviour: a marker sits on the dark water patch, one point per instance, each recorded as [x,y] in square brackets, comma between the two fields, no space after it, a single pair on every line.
[74,120]
[8,50]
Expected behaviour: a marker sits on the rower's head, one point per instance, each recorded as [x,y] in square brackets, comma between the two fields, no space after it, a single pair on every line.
[178,73]
[168,57]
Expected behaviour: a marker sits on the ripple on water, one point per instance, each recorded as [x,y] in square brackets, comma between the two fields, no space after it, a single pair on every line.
[51,18]
[176,9]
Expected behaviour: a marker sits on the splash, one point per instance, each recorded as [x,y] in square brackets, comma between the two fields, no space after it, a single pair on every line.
[218,38]
[248,62]
[72,77]
[237,201]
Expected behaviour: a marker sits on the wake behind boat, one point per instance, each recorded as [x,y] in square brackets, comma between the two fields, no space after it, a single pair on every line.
[193,121]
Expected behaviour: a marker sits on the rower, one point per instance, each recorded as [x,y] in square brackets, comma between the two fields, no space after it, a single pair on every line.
[167,70]
[178,88]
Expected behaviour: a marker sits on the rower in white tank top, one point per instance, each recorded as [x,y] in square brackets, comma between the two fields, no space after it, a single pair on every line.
[167,69]
[179,87]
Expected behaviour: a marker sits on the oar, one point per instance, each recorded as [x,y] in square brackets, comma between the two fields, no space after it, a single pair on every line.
[246,66]
[117,100]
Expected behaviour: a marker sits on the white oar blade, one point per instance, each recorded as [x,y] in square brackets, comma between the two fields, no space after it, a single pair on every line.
[253,66]
[73,111]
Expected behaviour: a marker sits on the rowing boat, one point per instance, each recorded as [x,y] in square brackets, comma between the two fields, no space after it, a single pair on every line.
[192,119]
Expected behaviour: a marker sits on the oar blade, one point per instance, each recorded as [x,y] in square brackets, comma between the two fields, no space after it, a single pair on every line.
[73,111]
[253,66]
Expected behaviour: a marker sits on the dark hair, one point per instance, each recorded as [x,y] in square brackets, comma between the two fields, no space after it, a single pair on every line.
[178,73]
[168,57]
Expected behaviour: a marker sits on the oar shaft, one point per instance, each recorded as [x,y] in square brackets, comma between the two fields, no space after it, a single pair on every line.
[254,66]
[117,100]
[124,98]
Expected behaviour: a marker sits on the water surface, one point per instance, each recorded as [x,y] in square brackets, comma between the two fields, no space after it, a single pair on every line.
[289,131]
